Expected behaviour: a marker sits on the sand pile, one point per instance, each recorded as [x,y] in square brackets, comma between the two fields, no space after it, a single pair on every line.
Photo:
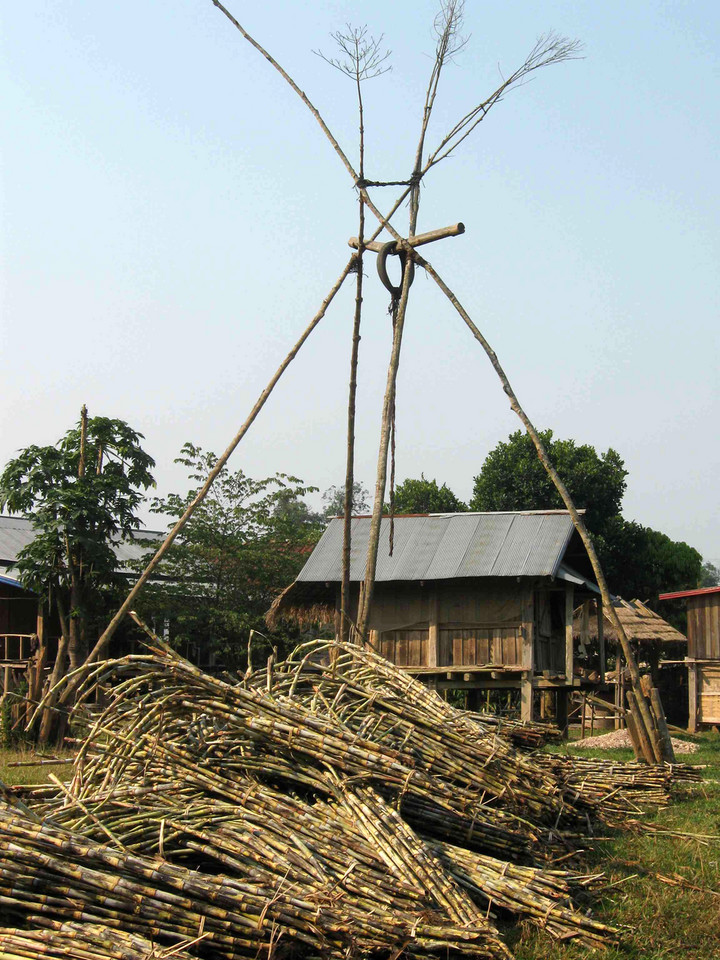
[621,738]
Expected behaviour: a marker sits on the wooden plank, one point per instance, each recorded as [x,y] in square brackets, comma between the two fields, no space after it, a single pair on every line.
[457,648]
[469,648]
[433,644]
[413,649]
[692,698]
[569,658]
[497,648]
[401,648]
[526,698]
[445,655]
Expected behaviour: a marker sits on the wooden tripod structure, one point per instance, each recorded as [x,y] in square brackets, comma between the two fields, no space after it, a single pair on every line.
[646,720]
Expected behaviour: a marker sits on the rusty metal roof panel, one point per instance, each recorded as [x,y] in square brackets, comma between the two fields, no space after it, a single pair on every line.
[446,546]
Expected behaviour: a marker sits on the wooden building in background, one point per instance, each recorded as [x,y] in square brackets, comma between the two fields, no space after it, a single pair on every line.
[29,632]
[703,655]
[470,601]
[657,644]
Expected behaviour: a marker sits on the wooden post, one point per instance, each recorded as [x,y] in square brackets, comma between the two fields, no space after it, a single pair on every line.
[634,736]
[569,658]
[668,756]
[653,738]
[561,711]
[601,637]
[582,719]
[433,631]
[35,690]
[528,658]
[692,697]
[643,740]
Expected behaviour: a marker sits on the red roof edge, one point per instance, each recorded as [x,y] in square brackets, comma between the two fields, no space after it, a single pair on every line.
[701,591]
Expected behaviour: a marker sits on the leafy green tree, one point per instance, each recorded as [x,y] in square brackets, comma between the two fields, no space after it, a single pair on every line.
[638,561]
[81,496]
[245,542]
[710,575]
[513,478]
[334,501]
[642,562]
[425,496]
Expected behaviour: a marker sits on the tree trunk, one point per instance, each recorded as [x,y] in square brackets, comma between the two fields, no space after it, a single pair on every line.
[52,723]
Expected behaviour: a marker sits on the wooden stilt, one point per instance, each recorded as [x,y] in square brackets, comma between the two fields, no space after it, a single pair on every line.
[561,711]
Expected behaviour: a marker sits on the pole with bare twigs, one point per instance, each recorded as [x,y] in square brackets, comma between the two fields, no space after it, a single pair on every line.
[361,58]
[549,49]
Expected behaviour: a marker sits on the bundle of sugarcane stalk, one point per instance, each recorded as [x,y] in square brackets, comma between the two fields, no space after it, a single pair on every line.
[53,940]
[329,805]
[616,788]
[63,876]
[521,733]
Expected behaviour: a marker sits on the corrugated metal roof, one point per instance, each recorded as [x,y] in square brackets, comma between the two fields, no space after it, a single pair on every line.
[445,546]
[679,594]
[16,533]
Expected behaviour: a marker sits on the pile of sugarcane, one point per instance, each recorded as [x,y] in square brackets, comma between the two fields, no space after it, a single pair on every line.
[53,940]
[326,806]
[521,733]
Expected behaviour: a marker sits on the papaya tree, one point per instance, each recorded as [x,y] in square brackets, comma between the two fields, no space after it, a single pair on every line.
[81,496]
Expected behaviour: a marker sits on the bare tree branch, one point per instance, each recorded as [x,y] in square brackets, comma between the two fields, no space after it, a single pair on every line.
[286,76]
[363,57]
[548,50]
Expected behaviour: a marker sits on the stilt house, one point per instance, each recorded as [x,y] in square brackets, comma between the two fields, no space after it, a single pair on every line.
[657,644]
[470,601]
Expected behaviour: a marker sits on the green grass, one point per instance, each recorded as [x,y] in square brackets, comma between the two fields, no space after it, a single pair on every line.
[37,773]
[660,921]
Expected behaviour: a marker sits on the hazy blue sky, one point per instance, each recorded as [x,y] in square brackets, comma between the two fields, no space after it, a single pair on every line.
[172,217]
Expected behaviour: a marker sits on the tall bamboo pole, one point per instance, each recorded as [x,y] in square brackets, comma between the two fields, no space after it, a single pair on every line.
[109,631]
[577,519]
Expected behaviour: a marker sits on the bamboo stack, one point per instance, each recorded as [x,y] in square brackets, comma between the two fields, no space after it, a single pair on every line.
[329,805]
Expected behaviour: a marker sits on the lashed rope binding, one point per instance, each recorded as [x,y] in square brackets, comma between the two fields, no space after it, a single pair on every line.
[391,249]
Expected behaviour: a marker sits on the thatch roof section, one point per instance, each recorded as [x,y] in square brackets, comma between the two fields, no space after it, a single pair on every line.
[639,622]
[305,604]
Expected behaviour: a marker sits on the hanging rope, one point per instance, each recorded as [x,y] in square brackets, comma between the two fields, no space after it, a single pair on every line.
[391,249]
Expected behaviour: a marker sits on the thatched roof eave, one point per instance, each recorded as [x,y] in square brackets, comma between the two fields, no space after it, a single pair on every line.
[304,604]
[640,623]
